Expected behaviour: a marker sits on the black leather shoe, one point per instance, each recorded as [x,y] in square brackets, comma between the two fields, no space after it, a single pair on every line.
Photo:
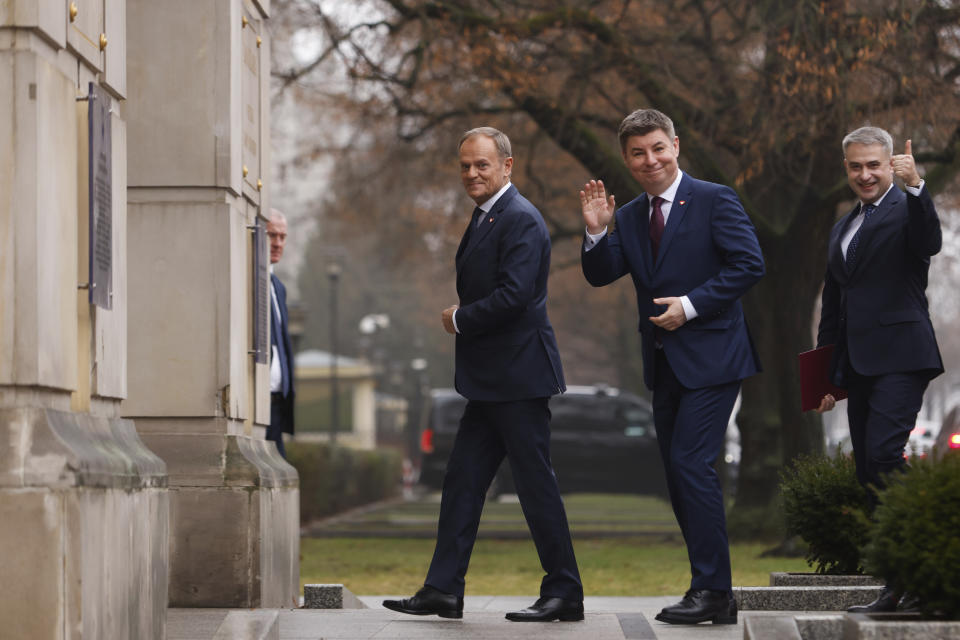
[429,602]
[549,609]
[700,605]
[885,603]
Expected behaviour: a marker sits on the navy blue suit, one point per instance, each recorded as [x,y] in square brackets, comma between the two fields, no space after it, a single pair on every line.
[876,315]
[507,366]
[708,252]
[281,402]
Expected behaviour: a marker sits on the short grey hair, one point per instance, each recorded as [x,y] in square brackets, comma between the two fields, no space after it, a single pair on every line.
[499,138]
[643,121]
[869,136]
[276,214]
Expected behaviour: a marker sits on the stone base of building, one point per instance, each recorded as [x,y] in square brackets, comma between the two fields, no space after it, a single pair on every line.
[234,516]
[84,528]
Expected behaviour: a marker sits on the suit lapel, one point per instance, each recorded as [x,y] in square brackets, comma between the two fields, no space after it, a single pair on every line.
[870,226]
[463,245]
[834,252]
[642,232]
[277,319]
[865,244]
[476,236]
[678,209]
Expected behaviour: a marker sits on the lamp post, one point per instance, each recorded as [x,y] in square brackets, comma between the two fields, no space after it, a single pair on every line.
[333,274]
[369,326]
[419,367]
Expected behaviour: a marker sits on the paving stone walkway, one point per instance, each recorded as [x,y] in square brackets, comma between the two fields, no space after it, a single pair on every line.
[483,619]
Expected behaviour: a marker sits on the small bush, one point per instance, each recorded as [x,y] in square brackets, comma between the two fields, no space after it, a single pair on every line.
[915,544]
[825,505]
[334,479]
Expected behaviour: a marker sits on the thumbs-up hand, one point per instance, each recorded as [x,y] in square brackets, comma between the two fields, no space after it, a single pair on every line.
[904,166]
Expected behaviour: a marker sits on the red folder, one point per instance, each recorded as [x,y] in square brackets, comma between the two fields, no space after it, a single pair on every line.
[815,378]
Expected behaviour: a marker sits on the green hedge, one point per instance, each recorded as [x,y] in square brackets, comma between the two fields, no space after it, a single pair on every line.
[915,544]
[825,505]
[334,479]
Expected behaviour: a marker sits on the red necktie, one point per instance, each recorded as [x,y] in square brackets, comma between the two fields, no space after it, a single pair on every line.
[656,225]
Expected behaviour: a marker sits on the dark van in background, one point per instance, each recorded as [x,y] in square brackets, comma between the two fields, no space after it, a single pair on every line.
[602,440]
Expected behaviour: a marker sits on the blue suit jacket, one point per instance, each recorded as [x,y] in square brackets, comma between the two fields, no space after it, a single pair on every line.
[280,338]
[876,313]
[506,349]
[709,252]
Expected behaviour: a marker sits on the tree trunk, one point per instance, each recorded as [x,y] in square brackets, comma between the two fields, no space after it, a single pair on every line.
[773,430]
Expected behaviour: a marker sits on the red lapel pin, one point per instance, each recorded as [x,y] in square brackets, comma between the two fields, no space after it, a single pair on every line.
[491,220]
[683,202]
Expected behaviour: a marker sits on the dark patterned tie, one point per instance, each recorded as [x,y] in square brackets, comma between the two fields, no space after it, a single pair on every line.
[656,225]
[855,240]
[477,216]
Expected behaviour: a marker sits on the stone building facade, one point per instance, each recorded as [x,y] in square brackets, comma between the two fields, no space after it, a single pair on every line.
[129,477]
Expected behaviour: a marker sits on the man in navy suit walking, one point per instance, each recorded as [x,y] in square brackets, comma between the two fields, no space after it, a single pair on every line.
[875,309]
[507,366]
[692,253]
[281,351]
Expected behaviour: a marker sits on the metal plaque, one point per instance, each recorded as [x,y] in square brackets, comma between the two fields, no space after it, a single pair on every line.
[261,293]
[100,189]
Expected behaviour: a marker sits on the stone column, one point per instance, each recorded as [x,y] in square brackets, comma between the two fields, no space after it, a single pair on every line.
[199,138]
[83,503]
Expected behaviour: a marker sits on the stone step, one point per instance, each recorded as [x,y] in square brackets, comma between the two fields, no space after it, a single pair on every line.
[330,596]
[250,624]
[849,626]
[822,627]
[766,627]
[897,626]
[803,598]
[791,579]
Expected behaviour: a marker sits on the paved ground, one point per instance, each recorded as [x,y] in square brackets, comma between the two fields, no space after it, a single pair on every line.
[606,619]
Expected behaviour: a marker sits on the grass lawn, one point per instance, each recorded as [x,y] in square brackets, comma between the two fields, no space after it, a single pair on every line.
[609,567]
[649,559]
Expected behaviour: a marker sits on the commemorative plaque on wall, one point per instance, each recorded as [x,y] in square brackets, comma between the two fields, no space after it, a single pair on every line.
[100,190]
[261,293]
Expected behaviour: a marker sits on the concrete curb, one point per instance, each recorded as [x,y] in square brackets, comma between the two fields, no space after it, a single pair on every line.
[330,596]
[803,598]
[257,624]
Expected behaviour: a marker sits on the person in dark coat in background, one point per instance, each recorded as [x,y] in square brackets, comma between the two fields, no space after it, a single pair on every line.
[281,352]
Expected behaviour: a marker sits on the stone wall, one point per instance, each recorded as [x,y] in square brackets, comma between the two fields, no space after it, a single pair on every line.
[198,143]
[84,509]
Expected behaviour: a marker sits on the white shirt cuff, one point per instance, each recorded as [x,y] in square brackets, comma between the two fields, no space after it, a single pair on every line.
[591,239]
[915,191]
[454,319]
[688,309]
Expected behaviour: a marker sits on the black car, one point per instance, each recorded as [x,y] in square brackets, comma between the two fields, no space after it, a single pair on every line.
[602,440]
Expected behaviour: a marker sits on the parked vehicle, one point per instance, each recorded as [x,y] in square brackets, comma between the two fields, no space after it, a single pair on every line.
[948,440]
[602,440]
[921,440]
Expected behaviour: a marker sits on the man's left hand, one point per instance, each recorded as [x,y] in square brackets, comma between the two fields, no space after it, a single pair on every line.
[671,319]
[904,166]
[446,317]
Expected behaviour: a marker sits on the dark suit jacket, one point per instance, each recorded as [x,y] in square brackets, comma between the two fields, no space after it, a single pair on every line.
[505,348]
[280,337]
[876,314]
[709,252]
